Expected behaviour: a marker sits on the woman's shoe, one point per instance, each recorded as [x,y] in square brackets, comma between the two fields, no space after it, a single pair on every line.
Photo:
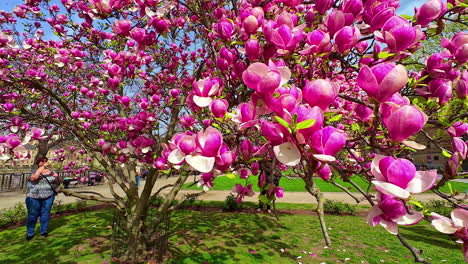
[45,234]
[29,237]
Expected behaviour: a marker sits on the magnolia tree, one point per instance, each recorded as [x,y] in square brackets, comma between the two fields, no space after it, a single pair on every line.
[250,88]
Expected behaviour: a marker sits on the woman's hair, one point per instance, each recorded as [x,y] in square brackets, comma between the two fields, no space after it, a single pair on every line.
[41,159]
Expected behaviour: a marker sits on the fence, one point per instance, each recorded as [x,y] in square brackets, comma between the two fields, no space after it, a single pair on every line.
[18,180]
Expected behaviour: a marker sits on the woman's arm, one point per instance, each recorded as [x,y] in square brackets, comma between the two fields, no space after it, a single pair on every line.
[57,178]
[37,174]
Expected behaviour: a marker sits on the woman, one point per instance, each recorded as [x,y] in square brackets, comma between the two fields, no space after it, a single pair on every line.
[40,197]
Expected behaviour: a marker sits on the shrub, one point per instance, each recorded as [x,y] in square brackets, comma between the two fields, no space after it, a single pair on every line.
[230,204]
[438,206]
[11,215]
[337,207]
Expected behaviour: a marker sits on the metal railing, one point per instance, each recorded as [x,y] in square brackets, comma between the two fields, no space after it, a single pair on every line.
[18,180]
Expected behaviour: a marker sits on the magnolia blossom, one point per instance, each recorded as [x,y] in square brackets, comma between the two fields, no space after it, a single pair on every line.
[429,11]
[391,212]
[328,141]
[204,89]
[403,122]
[320,92]
[457,225]
[265,79]
[382,80]
[458,129]
[242,191]
[399,178]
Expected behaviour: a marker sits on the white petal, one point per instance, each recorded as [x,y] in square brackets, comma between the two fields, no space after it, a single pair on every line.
[422,181]
[460,217]
[145,150]
[14,129]
[375,168]
[27,137]
[409,219]
[287,153]
[413,144]
[391,189]
[285,75]
[202,101]
[176,156]
[444,226]
[390,226]
[324,158]
[200,163]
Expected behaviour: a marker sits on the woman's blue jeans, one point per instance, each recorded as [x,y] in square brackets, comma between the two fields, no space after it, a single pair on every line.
[38,208]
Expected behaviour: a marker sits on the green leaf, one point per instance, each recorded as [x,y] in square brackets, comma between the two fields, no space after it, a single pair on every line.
[354,127]
[450,188]
[446,154]
[230,175]
[305,124]
[282,122]
[383,55]
[407,17]
[416,203]
[336,118]
[294,120]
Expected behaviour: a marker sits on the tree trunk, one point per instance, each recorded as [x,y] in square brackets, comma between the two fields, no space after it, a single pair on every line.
[315,191]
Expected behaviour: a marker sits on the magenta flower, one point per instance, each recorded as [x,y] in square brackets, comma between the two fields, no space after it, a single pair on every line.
[458,46]
[382,80]
[246,148]
[273,132]
[457,225]
[204,89]
[458,129]
[441,88]
[376,13]
[400,35]
[317,42]
[405,121]
[225,29]
[354,7]
[263,78]
[322,6]
[122,27]
[429,11]
[320,92]
[219,107]
[335,21]
[324,171]
[399,178]
[245,115]
[391,212]
[328,140]
[206,181]
[363,112]
[460,147]
[253,49]
[462,86]
[346,38]
[242,191]
[305,112]
[209,141]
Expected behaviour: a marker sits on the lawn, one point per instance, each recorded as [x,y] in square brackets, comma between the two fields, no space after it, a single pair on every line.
[215,237]
[297,184]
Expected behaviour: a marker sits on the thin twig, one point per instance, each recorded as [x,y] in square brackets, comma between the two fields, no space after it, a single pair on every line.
[416,252]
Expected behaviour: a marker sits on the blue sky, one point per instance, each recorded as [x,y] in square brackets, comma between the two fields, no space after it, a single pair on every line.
[407,6]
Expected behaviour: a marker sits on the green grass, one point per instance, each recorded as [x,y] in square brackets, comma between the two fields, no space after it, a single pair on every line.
[297,184]
[210,237]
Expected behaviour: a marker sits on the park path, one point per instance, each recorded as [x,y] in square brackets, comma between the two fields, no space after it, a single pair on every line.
[9,199]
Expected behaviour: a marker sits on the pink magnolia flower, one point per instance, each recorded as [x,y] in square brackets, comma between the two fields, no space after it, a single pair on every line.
[253,50]
[403,122]
[322,6]
[354,7]
[346,38]
[283,34]
[458,46]
[376,13]
[324,171]
[320,92]
[399,35]
[242,191]
[225,29]
[317,42]
[305,112]
[399,178]
[245,115]
[328,140]
[462,86]
[382,80]
[457,225]
[265,79]
[206,181]
[204,89]
[122,27]
[458,129]
[391,212]
[219,107]
[429,11]
[459,146]
[16,123]
[442,89]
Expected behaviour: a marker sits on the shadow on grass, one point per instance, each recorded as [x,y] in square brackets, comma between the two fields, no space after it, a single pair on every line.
[425,234]
[65,234]
[220,233]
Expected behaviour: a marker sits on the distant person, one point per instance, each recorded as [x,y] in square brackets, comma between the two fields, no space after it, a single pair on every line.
[138,175]
[40,197]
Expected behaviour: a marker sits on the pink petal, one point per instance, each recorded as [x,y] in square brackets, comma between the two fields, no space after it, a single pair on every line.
[423,181]
[374,211]
[375,170]
[393,82]
[443,224]
[460,217]
[367,81]
[200,163]
[391,189]
[287,153]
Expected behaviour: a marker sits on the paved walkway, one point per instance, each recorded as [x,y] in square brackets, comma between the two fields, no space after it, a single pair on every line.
[9,199]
